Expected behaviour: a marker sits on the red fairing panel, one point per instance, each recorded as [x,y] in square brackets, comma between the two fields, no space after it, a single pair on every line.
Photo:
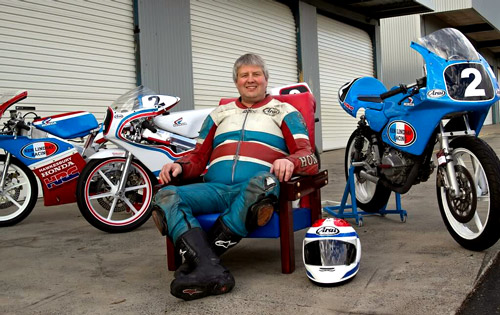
[59,179]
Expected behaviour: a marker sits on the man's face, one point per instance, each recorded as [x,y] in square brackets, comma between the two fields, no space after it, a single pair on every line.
[252,84]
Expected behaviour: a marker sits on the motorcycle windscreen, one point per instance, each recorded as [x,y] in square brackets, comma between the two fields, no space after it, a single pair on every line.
[329,252]
[468,82]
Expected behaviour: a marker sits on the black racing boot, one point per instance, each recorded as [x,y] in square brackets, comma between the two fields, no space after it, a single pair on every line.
[208,276]
[221,237]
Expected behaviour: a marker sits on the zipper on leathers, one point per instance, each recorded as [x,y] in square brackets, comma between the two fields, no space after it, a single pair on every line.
[237,155]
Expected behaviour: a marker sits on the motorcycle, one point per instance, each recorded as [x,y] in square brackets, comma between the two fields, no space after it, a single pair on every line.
[115,188]
[45,148]
[392,147]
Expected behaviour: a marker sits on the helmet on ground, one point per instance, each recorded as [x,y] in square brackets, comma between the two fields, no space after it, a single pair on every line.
[331,251]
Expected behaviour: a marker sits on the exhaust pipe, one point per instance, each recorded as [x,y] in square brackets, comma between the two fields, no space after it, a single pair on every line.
[363,174]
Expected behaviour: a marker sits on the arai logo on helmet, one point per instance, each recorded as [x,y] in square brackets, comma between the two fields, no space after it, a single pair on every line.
[436,93]
[401,133]
[327,230]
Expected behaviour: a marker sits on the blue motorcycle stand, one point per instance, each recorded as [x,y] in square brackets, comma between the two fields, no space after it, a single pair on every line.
[338,211]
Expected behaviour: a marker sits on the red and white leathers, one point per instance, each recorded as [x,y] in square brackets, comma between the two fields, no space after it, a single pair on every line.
[237,143]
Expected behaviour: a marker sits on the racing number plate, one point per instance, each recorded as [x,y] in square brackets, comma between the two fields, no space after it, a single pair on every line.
[468,82]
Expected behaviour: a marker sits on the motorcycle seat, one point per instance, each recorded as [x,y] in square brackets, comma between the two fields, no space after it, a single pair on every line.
[373,101]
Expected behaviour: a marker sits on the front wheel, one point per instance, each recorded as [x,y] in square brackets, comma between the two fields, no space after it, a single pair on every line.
[473,217]
[370,197]
[108,209]
[18,194]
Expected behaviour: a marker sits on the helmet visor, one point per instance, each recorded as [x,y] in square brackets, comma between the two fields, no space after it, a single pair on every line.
[329,252]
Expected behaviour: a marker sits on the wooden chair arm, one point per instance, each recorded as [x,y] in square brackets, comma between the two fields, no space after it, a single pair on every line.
[301,186]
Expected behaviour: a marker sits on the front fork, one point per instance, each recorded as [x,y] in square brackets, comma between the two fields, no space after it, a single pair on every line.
[5,170]
[445,156]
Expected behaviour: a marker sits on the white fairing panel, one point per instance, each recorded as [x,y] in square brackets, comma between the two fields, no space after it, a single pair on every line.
[185,123]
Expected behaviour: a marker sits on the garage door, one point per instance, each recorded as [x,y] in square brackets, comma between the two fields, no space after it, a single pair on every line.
[224,30]
[345,53]
[69,55]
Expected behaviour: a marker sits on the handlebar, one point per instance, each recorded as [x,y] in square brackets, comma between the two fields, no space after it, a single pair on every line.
[404,88]
[146,124]
[22,125]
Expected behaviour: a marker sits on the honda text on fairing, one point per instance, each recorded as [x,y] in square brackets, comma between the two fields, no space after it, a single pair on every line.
[115,188]
[40,148]
[392,148]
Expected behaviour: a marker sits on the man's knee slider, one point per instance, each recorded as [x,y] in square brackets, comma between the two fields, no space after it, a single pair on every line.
[260,212]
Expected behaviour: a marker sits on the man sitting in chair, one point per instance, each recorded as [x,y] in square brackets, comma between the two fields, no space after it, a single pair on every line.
[249,146]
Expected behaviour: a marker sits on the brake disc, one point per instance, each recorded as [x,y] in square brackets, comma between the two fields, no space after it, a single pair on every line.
[463,208]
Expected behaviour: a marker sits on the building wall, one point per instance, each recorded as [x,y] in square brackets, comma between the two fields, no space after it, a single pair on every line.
[400,63]
[165,49]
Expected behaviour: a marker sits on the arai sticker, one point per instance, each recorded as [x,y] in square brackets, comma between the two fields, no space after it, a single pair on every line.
[39,150]
[401,133]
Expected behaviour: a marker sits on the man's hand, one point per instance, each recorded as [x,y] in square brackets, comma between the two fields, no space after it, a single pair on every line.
[283,169]
[168,171]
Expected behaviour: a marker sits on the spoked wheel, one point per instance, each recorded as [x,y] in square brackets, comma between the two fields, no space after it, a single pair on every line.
[19,193]
[101,202]
[472,218]
[370,197]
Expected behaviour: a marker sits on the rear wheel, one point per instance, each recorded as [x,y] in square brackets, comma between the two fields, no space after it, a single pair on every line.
[473,217]
[103,206]
[19,193]
[370,197]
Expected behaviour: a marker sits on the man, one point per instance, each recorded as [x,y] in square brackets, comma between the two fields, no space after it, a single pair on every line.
[249,146]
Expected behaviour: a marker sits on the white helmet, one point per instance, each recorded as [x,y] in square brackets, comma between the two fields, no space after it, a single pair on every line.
[331,251]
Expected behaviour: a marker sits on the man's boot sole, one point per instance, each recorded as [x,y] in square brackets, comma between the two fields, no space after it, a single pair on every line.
[193,292]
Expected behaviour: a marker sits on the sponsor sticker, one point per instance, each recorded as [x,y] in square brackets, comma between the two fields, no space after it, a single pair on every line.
[48,121]
[348,107]
[327,230]
[436,93]
[409,103]
[401,133]
[179,122]
[58,173]
[39,150]
[271,111]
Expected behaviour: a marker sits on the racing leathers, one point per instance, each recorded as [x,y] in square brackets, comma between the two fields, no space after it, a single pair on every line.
[237,146]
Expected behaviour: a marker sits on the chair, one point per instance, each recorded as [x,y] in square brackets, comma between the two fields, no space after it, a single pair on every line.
[287,220]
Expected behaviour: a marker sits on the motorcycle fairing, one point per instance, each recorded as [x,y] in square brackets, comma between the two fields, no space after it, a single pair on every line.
[443,97]
[55,162]
[68,125]
[59,177]
[185,123]
[366,86]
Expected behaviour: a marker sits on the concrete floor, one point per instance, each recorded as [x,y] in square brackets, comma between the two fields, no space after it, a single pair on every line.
[54,262]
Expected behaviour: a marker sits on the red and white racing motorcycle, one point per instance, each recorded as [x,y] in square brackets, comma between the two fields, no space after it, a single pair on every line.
[115,188]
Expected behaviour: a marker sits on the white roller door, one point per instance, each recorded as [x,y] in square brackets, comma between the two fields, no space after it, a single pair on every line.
[345,53]
[224,30]
[69,55]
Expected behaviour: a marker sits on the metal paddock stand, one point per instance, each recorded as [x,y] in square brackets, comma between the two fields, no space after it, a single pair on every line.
[338,211]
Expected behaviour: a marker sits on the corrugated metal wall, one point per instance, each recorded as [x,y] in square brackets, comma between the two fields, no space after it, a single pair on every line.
[400,63]
[345,53]
[449,5]
[69,55]
[224,30]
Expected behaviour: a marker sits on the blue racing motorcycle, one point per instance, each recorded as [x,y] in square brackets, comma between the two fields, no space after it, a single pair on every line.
[392,147]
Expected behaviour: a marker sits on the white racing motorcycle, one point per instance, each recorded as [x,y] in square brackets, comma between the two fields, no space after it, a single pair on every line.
[115,188]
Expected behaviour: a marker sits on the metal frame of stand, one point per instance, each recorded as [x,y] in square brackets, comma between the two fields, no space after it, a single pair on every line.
[338,211]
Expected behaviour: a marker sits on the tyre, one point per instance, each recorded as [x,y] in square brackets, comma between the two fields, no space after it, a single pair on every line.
[473,218]
[19,193]
[103,206]
[370,197]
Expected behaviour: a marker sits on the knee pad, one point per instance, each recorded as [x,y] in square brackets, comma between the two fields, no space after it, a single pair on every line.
[260,212]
